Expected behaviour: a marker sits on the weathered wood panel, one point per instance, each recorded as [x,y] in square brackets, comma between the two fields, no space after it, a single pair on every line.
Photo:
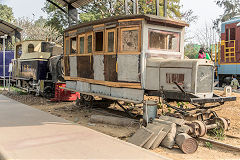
[110,68]
[128,68]
[85,67]
[66,66]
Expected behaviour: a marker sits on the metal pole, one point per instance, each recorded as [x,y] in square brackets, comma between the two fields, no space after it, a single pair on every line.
[157,8]
[126,6]
[4,83]
[134,7]
[165,8]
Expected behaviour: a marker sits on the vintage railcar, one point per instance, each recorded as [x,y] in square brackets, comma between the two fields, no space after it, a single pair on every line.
[227,57]
[37,66]
[127,57]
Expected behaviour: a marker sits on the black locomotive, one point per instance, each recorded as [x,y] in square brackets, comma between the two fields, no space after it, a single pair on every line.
[37,66]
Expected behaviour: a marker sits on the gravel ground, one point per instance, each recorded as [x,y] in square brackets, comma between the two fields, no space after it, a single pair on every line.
[81,115]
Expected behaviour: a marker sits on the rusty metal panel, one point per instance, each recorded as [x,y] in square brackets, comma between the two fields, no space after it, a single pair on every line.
[152,78]
[83,86]
[128,68]
[73,66]
[205,79]
[101,89]
[71,84]
[127,93]
[98,67]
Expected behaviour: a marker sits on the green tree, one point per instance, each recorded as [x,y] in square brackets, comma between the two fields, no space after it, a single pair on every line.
[231,9]
[107,8]
[56,18]
[6,13]
[191,50]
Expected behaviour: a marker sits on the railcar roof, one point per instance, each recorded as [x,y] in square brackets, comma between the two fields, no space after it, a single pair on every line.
[152,18]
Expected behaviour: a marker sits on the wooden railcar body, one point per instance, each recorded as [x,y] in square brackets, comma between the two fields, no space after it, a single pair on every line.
[127,57]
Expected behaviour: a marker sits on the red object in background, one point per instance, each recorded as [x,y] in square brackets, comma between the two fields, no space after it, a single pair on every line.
[64,95]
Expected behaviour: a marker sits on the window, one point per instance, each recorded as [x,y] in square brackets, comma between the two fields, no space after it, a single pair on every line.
[81,45]
[89,44]
[232,34]
[30,48]
[18,51]
[227,34]
[129,39]
[171,78]
[99,41]
[162,40]
[111,41]
[73,44]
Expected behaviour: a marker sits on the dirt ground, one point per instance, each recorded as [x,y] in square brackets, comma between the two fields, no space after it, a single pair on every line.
[81,115]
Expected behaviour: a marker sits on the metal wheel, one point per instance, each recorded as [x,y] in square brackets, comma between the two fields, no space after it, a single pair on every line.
[200,128]
[222,123]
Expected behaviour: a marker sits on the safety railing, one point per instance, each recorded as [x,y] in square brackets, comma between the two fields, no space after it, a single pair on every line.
[229,50]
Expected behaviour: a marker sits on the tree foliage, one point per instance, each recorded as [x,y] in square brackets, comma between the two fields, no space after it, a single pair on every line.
[37,30]
[191,50]
[231,9]
[6,13]
[99,9]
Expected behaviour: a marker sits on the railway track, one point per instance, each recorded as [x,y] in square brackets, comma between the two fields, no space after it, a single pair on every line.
[220,144]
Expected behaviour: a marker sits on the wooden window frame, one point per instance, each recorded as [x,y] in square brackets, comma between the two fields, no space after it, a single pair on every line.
[115,40]
[94,42]
[65,46]
[161,31]
[70,45]
[120,40]
[84,45]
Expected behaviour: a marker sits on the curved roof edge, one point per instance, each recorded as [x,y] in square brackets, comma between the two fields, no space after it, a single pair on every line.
[151,18]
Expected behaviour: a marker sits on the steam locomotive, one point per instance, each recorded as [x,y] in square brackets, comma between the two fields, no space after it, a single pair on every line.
[37,66]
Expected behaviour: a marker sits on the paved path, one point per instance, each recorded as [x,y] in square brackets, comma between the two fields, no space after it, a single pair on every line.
[28,133]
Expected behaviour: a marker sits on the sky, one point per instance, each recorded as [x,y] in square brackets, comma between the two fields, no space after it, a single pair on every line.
[206,10]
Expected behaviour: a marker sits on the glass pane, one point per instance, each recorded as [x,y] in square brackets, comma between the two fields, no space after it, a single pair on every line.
[99,41]
[161,40]
[90,44]
[73,45]
[81,45]
[110,41]
[130,40]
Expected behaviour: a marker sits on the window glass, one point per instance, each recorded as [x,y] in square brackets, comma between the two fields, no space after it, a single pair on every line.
[73,45]
[30,48]
[99,41]
[161,40]
[129,40]
[110,41]
[232,34]
[81,45]
[90,44]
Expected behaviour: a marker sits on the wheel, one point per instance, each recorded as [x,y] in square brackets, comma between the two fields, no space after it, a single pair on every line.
[200,128]
[222,123]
